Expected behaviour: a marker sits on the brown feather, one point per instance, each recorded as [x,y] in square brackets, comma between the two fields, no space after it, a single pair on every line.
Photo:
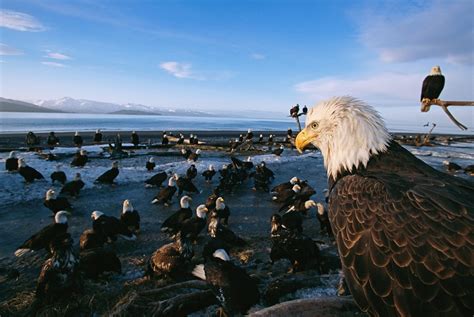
[405,236]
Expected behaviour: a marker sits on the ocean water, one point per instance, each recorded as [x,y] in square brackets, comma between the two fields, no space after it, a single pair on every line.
[45,122]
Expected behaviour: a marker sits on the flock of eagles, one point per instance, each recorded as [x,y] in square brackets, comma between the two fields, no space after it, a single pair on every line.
[403,230]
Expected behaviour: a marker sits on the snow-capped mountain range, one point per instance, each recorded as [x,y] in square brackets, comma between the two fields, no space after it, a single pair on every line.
[68,104]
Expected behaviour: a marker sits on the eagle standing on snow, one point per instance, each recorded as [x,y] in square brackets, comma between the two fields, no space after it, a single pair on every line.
[404,230]
[433,84]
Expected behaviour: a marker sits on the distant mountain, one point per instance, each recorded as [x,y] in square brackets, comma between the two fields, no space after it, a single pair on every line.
[72,105]
[10,105]
[80,105]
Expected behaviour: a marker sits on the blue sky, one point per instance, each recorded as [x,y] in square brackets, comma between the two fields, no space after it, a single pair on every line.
[244,55]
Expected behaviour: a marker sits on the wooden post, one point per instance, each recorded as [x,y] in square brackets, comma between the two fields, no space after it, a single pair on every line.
[297,118]
[426,105]
[426,140]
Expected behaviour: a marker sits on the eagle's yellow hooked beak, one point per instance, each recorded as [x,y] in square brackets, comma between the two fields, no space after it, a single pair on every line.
[303,139]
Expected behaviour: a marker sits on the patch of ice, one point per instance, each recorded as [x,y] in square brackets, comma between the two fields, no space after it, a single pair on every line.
[316,292]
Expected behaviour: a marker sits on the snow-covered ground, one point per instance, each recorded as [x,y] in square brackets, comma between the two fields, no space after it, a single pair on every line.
[23,214]
[132,169]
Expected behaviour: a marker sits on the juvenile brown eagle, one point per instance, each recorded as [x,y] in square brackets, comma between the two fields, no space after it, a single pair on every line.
[404,230]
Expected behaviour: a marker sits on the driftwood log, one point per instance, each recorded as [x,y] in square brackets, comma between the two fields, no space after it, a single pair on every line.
[178,299]
[426,105]
[312,307]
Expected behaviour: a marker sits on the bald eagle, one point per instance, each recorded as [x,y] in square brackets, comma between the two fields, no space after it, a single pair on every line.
[404,231]
[433,84]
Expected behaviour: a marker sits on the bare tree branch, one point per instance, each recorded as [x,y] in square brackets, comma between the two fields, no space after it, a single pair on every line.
[426,105]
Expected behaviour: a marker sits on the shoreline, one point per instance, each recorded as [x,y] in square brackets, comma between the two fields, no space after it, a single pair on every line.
[14,140]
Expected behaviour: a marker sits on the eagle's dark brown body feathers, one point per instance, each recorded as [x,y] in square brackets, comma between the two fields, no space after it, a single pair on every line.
[405,234]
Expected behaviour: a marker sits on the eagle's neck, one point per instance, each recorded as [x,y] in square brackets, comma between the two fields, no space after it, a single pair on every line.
[394,160]
[345,152]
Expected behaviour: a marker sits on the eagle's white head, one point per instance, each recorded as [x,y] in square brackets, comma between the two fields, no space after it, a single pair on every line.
[151,160]
[309,204]
[172,181]
[201,211]
[198,151]
[320,207]
[184,202]
[115,164]
[96,214]
[220,203]
[127,206]
[21,162]
[77,177]
[346,130]
[61,217]
[83,152]
[76,133]
[294,180]
[211,167]
[50,194]
[12,154]
[296,188]
[435,70]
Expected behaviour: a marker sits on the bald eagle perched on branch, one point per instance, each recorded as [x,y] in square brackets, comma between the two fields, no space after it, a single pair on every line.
[433,84]
[405,231]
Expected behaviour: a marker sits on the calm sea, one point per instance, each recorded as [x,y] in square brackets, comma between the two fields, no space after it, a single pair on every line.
[44,122]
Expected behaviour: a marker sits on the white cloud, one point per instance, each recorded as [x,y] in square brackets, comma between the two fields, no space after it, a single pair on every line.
[57,56]
[435,29]
[389,88]
[382,86]
[257,56]
[19,21]
[53,64]
[8,50]
[179,70]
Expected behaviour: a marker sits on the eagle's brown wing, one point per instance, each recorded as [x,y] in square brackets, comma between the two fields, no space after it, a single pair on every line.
[166,259]
[406,245]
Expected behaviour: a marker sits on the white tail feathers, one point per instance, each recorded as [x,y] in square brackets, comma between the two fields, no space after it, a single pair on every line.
[154,201]
[198,271]
[21,252]
[221,254]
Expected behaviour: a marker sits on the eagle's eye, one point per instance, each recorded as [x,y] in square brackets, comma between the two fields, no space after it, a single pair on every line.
[314,125]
